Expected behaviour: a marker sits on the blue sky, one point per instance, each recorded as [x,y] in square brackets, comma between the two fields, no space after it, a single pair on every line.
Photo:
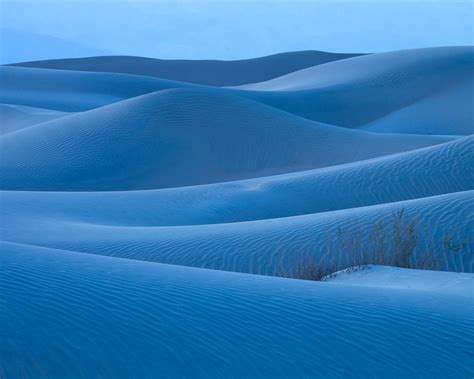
[235,29]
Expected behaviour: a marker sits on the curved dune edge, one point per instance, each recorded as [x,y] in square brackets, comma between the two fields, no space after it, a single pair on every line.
[373,276]
[207,72]
[352,92]
[145,313]
[136,211]
[445,112]
[260,247]
[17,117]
[435,170]
[181,137]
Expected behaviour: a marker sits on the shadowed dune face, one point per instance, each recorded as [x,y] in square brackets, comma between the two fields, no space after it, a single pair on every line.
[354,92]
[432,114]
[258,247]
[207,72]
[181,137]
[441,169]
[357,91]
[17,117]
[124,179]
[378,70]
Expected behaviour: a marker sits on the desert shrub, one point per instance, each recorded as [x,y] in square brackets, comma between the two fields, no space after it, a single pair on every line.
[402,242]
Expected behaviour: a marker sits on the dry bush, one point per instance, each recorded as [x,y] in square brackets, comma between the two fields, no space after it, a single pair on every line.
[401,243]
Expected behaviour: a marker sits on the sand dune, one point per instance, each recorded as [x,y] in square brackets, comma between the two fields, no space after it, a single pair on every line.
[395,277]
[180,137]
[431,115]
[73,91]
[16,117]
[136,212]
[437,170]
[396,68]
[188,322]
[208,72]
[259,247]
[354,92]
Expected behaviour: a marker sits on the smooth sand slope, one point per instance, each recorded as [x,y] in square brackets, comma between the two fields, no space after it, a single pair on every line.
[261,247]
[118,193]
[16,117]
[357,91]
[446,112]
[78,315]
[395,277]
[181,137]
[73,91]
[435,170]
[207,72]
[353,92]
